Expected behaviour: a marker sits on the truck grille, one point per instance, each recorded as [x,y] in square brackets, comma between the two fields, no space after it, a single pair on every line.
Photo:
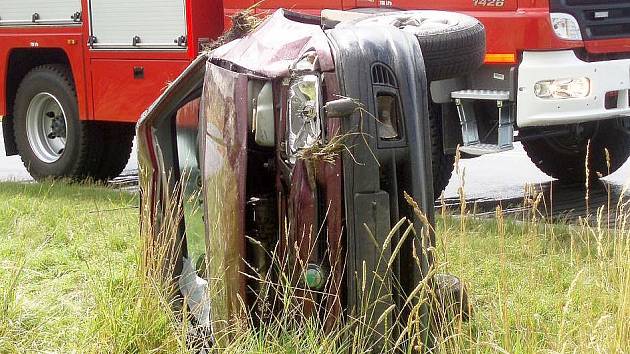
[598,19]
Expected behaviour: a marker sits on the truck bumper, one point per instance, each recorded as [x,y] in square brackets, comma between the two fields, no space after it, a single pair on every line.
[612,76]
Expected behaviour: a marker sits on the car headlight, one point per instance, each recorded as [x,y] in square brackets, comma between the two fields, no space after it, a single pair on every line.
[565,26]
[304,113]
[578,87]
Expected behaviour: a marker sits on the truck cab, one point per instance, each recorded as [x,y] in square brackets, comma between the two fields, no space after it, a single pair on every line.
[555,78]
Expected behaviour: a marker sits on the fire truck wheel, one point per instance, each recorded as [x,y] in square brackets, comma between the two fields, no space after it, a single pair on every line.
[452,44]
[441,163]
[564,157]
[117,145]
[51,140]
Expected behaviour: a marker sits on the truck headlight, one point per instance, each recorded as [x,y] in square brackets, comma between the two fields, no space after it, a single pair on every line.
[565,26]
[578,87]
[304,113]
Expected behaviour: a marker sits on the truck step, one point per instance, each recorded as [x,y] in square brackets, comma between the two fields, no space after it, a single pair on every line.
[483,149]
[472,142]
[494,95]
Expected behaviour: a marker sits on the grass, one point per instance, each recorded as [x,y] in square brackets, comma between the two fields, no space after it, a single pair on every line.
[60,247]
[71,281]
[535,287]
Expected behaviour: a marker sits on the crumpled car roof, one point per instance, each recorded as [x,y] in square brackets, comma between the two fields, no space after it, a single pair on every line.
[268,51]
[274,45]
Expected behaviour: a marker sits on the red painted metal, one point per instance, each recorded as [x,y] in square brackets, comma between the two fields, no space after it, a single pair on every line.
[232,6]
[512,28]
[529,29]
[312,7]
[456,5]
[104,80]
[38,38]
[114,78]
[117,95]
[617,45]
[107,90]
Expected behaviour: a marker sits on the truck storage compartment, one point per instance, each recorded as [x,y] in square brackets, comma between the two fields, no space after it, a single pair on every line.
[20,12]
[123,89]
[138,24]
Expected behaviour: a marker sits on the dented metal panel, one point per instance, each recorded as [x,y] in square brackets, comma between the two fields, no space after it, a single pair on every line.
[275,45]
[322,209]
[224,166]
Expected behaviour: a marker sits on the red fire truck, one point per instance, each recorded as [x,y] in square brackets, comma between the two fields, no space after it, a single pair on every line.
[78,73]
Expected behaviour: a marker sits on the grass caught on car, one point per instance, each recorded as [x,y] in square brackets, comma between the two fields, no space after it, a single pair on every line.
[71,281]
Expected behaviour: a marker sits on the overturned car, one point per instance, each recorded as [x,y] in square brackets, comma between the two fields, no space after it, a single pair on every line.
[300,152]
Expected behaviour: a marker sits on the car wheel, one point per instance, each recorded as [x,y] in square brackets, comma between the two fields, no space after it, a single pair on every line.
[49,136]
[564,157]
[452,296]
[452,44]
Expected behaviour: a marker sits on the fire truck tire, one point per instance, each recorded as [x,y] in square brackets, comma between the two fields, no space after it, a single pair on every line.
[51,140]
[452,44]
[564,158]
[117,145]
[441,163]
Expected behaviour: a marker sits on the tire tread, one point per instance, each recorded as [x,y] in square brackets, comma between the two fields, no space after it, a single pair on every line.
[441,163]
[90,143]
[117,146]
[453,54]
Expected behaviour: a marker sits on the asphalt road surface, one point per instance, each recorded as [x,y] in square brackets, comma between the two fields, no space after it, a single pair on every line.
[12,169]
[506,178]
[488,180]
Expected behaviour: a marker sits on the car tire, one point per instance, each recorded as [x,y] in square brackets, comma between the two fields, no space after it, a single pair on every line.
[50,138]
[564,158]
[117,145]
[452,297]
[441,163]
[452,44]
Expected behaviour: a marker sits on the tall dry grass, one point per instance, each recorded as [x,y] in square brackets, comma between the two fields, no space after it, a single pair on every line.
[584,307]
[538,283]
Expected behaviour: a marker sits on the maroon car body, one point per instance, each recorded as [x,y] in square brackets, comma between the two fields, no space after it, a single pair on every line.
[304,140]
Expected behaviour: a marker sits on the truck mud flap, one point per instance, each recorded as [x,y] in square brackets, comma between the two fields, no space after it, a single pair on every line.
[9,139]
[389,154]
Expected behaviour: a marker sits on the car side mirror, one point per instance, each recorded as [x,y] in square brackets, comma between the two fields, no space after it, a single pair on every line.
[340,108]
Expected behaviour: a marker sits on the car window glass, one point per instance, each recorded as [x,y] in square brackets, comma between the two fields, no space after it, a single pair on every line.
[186,128]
